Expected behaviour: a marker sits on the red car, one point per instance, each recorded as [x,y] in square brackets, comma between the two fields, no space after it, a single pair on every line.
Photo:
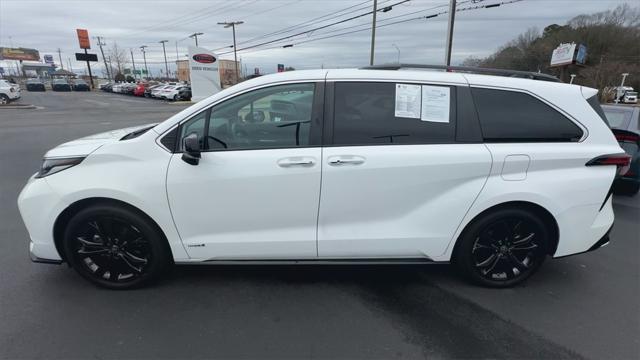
[139,90]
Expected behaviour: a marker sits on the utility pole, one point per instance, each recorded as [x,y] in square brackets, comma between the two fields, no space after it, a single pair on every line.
[69,63]
[452,16]
[144,56]
[134,64]
[164,50]
[100,44]
[232,24]
[60,57]
[373,31]
[195,36]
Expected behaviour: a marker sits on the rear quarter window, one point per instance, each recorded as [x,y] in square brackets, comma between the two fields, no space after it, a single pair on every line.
[510,116]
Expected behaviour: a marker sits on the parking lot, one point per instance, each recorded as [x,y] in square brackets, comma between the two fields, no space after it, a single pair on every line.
[586,306]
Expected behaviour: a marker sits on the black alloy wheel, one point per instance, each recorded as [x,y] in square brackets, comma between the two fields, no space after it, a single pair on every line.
[115,247]
[503,248]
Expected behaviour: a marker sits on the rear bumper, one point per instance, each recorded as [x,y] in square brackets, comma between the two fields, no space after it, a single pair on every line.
[604,241]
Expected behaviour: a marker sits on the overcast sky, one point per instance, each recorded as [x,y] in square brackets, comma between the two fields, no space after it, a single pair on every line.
[49,25]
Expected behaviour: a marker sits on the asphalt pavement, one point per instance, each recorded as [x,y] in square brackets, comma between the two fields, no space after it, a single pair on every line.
[586,306]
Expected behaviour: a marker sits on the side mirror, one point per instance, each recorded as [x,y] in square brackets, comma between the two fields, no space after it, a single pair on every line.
[191,154]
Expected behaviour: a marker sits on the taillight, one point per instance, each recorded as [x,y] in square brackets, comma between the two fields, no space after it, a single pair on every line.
[622,161]
[627,137]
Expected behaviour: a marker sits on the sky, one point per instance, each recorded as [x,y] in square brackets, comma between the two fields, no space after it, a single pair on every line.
[49,25]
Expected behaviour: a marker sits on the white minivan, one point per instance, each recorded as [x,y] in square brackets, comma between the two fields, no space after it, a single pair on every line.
[385,165]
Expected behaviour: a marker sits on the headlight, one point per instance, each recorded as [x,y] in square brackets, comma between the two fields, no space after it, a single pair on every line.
[52,166]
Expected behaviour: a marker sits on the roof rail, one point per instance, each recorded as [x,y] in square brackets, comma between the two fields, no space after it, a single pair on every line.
[468,69]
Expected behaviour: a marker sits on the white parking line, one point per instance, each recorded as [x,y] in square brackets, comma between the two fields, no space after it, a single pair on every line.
[101,103]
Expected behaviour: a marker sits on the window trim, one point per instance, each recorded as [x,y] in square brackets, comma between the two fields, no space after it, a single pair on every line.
[585,131]
[330,110]
[315,132]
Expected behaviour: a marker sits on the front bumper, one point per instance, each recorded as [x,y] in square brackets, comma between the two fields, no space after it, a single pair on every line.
[39,207]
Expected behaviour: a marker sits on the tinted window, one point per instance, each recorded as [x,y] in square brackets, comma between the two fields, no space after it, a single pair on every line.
[273,117]
[508,116]
[365,113]
[619,118]
[595,105]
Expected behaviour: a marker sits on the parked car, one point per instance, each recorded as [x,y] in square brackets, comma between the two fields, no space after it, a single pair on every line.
[173,92]
[184,93]
[491,173]
[624,121]
[149,90]
[107,87]
[129,88]
[8,92]
[103,85]
[155,93]
[139,90]
[81,85]
[35,85]
[60,85]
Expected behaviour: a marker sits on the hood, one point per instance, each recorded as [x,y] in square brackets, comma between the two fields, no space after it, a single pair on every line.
[86,145]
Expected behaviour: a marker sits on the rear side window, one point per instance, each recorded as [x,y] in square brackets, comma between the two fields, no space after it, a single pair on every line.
[509,116]
[365,114]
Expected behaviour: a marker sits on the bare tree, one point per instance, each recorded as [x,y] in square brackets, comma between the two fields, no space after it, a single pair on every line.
[118,56]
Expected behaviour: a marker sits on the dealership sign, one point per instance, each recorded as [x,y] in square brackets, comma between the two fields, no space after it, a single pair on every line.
[48,59]
[203,71]
[563,55]
[19,54]
[83,38]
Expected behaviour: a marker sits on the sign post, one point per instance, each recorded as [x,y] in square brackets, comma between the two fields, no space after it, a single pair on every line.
[568,54]
[83,39]
[203,72]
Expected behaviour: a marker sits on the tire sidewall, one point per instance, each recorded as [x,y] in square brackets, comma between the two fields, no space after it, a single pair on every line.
[463,257]
[160,253]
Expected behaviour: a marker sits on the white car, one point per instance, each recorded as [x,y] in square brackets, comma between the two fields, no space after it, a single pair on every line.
[171,92]
[156,93]
[492,173]
[8,92]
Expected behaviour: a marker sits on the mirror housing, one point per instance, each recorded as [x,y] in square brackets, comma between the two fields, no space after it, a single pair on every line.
[191,154]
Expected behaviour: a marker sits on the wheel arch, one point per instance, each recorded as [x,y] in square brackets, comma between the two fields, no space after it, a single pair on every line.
[543,213]
[63,218]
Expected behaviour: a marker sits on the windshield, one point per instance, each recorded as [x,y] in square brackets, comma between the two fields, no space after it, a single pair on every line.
[631,93]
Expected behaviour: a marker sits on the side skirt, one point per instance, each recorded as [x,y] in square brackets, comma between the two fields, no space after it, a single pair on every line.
[375,261]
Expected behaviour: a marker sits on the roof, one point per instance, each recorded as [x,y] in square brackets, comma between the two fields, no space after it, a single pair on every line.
[63,72]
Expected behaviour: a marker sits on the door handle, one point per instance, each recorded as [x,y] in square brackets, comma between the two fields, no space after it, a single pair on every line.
[346,160]
[291,162]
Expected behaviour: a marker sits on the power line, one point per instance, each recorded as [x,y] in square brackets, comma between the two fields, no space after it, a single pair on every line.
[426,17]
[320,27]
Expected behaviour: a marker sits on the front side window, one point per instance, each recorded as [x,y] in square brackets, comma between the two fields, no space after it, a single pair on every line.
[273,117]
[369,113]
[510,116]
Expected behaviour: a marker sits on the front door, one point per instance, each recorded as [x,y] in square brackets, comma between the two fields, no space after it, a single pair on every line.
[255,192]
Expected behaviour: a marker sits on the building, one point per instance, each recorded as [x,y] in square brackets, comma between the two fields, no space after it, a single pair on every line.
[226,68]
[183,70]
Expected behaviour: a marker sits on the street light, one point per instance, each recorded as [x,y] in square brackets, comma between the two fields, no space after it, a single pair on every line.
[232,24]
[144,56]
[397,48]
[166,67]
[195,36]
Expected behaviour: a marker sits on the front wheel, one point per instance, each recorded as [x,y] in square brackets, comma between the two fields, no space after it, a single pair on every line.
[115,247]
[502,248]
[4,99]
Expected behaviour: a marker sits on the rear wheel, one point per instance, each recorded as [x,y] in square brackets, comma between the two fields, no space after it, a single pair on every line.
[115,247]
[502,248]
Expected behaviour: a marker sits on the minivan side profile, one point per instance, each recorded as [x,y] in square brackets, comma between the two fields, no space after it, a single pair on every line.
[359,166]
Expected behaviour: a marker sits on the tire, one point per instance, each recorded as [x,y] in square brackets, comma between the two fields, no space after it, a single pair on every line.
[627,189]
[502,248]
[4,99]
[115,247]
[175,97]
